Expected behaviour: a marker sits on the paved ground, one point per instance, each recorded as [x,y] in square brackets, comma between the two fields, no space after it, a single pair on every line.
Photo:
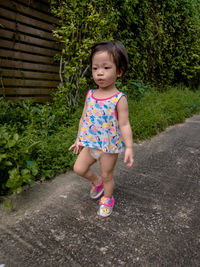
[156,220]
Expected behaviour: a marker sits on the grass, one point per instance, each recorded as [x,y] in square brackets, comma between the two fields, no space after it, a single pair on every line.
[156,111]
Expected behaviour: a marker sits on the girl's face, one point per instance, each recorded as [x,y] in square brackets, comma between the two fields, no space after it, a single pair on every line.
[104,70]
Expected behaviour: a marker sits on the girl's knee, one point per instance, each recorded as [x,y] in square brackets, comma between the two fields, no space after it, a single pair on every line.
[80,170]
[77,169]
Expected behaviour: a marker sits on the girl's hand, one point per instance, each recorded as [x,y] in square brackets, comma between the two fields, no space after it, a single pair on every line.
[128,157]
[76,148]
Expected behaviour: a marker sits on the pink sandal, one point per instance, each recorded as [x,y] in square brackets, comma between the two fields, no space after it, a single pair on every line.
[96,190]
[106,205]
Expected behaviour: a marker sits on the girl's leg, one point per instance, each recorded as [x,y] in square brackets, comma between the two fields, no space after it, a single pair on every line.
[107,164]
[82,166]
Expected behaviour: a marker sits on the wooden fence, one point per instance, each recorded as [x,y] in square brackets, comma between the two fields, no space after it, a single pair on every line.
[27,50]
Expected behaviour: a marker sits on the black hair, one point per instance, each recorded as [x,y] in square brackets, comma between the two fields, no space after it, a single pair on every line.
[116,50]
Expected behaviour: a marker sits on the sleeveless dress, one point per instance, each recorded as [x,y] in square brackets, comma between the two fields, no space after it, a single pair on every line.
[100,127]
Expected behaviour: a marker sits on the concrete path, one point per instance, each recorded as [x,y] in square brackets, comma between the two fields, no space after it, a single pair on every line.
[155,222]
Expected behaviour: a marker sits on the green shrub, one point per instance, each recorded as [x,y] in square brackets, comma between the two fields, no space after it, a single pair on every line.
[34,142]
[162,39]
[52,155]
[15,164]
[82,23]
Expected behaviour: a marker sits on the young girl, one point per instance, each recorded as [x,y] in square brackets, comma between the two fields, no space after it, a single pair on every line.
[104,127]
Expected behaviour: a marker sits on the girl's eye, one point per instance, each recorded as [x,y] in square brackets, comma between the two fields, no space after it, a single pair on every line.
[107,68]
[94,68]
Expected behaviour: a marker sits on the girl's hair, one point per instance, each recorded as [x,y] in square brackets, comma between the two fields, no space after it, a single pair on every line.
[116,50]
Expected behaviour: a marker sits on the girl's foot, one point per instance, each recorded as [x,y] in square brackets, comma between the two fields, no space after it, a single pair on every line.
[96,190]
[106,205]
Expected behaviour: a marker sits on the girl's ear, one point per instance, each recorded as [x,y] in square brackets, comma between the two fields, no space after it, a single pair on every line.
[120,73]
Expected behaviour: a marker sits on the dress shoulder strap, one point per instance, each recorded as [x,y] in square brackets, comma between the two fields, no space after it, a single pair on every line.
[118,96]
[89,93]
[121,94]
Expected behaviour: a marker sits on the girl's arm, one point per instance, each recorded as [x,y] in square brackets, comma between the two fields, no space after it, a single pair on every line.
[75,145]
[125,128]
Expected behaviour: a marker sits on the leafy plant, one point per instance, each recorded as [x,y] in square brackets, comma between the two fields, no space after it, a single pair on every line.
[81,24]
[162,39]
[15,165]
[139,90]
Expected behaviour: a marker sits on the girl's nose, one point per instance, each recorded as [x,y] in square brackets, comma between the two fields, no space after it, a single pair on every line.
[100,72]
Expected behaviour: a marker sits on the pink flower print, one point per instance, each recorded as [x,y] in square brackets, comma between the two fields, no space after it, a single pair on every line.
[106,139]
[101,103]
[94,128]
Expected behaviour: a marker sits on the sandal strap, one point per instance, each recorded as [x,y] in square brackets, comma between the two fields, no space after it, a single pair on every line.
[106,201]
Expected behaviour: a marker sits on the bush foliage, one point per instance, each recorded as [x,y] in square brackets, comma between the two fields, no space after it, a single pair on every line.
[81,24]
[162,39]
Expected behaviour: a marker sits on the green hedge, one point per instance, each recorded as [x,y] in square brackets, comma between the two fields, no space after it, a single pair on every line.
[162,38]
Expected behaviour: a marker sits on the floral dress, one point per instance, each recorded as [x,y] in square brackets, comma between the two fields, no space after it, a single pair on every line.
[100,127]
